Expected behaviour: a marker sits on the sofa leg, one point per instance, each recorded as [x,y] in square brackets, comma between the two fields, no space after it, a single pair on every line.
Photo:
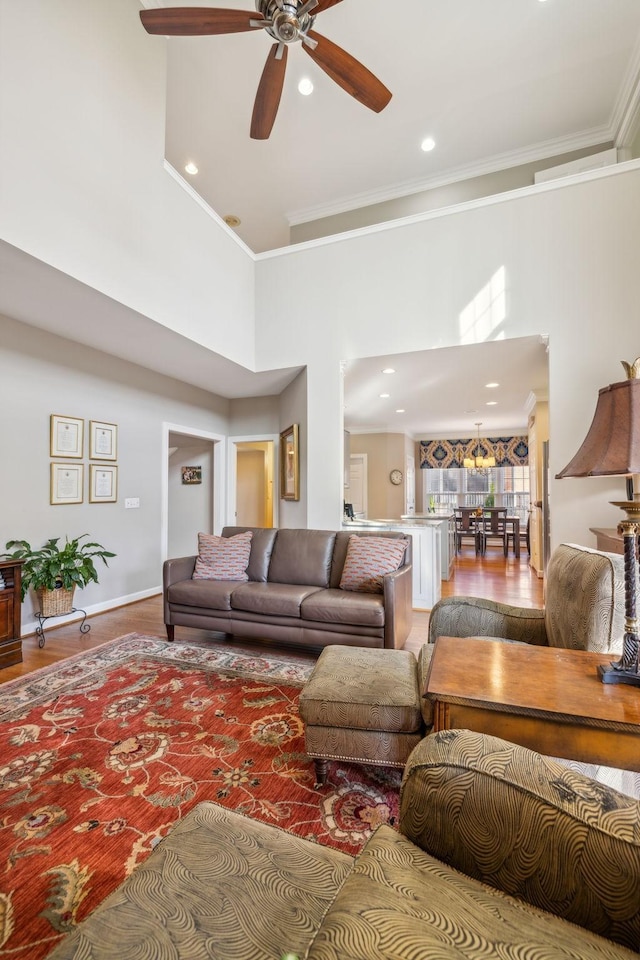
[170,631]
[321,771]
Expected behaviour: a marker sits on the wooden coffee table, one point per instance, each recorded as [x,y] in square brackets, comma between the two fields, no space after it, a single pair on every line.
[546,698]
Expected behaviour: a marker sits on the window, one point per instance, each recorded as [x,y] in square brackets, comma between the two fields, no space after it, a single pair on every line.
[462,488]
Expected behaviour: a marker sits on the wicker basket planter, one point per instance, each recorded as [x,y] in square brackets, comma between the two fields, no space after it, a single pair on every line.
[55,603]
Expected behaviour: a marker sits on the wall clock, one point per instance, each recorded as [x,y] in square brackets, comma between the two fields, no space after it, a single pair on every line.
[396,477]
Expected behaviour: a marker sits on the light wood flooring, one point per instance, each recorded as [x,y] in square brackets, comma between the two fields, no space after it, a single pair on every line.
[492,576]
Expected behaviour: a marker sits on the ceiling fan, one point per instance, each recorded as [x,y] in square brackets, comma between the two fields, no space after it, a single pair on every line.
[287,21]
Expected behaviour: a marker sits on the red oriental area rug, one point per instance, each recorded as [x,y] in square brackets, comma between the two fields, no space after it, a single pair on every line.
[100,755]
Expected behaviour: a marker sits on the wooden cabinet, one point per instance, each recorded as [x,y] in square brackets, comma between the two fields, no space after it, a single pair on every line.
[10,610]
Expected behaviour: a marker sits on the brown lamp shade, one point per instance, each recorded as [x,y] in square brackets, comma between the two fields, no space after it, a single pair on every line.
[612,445]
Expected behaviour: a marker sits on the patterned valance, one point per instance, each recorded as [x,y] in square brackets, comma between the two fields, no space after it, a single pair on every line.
[444,454]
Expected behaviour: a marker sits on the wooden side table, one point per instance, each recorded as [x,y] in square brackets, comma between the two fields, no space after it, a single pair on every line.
[10,613]
[546,698]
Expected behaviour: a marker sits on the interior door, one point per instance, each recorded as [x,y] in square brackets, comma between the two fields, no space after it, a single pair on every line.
[358,484]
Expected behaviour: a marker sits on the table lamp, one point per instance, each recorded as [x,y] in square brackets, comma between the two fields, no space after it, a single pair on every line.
[612,448]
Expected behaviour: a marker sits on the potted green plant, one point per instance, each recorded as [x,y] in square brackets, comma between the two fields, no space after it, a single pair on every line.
[54,572]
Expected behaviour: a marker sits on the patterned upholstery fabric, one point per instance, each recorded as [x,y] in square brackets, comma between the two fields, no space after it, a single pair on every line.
[399,903]
[222,558]
[584,607]
[368,560]
[529,826]
[362,705]
[584,599]
[220,886]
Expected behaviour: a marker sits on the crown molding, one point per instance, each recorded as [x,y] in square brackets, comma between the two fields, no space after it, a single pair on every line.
[502,161]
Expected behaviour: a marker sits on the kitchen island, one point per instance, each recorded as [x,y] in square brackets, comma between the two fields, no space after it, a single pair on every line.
[426,545]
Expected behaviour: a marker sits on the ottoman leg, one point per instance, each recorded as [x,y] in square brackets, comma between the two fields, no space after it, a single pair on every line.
[321,771]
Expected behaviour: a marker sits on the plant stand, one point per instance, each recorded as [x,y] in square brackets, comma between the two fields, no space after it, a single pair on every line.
[84,626]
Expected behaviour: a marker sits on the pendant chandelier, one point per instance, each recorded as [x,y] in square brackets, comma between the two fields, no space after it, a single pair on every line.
[479,464]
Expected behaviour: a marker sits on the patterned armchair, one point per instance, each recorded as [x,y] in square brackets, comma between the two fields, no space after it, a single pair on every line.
[584,607]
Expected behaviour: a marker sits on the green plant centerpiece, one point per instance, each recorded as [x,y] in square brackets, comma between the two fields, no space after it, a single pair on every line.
[54,572]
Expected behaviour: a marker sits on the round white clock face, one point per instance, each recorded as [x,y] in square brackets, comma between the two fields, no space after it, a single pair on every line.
[396,476]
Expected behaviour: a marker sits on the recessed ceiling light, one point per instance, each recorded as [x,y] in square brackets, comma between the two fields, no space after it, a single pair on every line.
[305,87]
[490,386]
[428,144]
[231,220]
[400,410]
[492,403]
[388,370]
[191,168]
[384,396]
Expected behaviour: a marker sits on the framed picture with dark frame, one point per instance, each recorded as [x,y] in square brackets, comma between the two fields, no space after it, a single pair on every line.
[192,474]
[289,464]
[66,436]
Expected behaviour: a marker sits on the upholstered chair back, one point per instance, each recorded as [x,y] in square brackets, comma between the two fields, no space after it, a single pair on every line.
[584,599]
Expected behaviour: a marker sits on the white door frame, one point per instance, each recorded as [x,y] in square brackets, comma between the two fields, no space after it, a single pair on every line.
[232,472]
[218,492]
[365,471]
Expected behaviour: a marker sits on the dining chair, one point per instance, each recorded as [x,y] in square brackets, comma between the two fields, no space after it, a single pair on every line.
[467,527]
[493,526]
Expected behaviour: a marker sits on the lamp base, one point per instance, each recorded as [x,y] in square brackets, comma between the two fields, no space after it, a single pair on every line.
[614,674]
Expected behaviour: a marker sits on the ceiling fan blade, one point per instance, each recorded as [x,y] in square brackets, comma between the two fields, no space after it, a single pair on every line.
[324,5]
[269,92]
[348,73]
[197,21]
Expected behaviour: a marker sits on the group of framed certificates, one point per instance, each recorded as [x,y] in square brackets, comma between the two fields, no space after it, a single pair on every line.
[67,444]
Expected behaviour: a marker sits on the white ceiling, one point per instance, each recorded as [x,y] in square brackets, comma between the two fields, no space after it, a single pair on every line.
[496,82]
[443,392]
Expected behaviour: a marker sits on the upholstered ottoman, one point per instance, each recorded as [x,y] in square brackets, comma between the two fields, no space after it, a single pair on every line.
[361,705]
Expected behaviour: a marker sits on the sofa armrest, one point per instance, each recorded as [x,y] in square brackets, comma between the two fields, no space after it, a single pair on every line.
[398,606]
[474,617]
[180,568]
[529,826]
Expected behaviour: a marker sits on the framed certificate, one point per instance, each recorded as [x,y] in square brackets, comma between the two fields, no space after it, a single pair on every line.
[66,436]
[103,483]
[103,440]
[66,483]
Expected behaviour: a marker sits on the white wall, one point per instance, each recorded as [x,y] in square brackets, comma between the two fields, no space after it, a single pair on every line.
[83,187]
[190,506]
[41,374]
[570,256]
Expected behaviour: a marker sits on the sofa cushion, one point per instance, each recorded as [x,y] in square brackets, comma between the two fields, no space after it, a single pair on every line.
[261,549]
[219,886]
[302,556]
[398,902]
[368,560]
[338,606]
[363,689]
[222,558]
[270,599]
[206,594]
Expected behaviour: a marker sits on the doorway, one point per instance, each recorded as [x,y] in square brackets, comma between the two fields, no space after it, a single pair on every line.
[251,482]
[358,482]
[192,488]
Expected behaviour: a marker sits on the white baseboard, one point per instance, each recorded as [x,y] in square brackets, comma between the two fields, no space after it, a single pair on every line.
[28,629]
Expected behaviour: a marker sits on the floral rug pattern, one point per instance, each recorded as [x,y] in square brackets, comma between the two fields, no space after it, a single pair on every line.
[100,755]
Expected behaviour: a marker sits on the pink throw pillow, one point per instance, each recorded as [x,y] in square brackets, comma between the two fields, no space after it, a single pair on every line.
[368,560]
[222,558]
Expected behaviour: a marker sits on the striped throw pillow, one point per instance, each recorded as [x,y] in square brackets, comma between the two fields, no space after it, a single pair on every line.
[368,560]
[222,558]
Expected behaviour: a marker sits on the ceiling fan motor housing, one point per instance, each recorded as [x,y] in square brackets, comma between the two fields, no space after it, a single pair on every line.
[286,26]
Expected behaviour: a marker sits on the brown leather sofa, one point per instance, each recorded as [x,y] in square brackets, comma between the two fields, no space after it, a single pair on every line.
[293,593]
